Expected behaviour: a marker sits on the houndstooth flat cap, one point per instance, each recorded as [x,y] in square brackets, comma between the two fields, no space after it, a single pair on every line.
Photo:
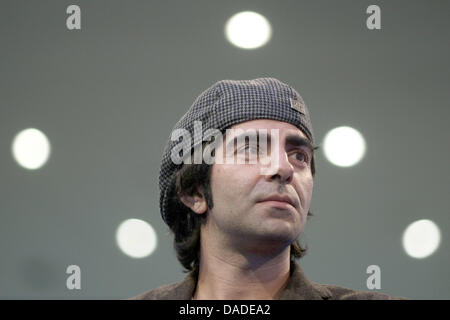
[229,102]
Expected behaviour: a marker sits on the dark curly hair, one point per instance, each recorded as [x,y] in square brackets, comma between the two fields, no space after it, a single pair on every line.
[185,224]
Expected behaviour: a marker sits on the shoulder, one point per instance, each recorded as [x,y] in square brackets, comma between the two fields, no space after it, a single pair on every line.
[300,288]
[159,293]
[342,293]
[175,291]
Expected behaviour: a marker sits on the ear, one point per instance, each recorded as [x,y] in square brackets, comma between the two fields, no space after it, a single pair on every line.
[196,202]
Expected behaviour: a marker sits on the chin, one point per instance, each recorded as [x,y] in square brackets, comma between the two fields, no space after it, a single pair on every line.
[281,234]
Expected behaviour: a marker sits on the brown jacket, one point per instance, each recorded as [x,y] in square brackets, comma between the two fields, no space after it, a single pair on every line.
[297,288]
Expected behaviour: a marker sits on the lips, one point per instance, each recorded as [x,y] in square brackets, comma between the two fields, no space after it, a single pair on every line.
[280,198]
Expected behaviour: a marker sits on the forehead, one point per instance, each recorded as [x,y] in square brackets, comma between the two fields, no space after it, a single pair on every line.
[268,124]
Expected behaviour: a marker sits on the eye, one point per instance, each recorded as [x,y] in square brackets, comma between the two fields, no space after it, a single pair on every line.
[249,150]
[252,148]
[301,156]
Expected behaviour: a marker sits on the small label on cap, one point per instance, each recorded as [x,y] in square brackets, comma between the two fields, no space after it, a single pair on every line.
[297,105]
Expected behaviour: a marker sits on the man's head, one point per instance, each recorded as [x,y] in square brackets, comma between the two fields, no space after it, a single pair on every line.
[254,209]
[236,202]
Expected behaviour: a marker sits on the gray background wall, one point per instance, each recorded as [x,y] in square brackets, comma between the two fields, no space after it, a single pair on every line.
[108,95]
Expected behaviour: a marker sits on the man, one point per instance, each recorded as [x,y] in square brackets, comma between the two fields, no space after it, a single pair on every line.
[236,223]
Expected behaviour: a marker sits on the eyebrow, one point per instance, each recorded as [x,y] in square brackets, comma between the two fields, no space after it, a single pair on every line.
[250,135]
[291,139]
[297,141]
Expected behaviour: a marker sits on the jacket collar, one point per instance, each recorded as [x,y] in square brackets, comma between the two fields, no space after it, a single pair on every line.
[298,287]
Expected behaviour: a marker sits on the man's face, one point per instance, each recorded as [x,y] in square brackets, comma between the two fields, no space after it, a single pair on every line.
[242,212]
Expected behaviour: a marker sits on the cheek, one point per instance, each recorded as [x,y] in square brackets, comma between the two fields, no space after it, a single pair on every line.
[309,187]
[304,188]
[222,181]
[230,182]
[305,194]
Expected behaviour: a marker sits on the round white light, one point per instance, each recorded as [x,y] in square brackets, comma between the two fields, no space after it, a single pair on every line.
[248,30]
[421,238]
[136,238]
[31,148]
[344,146]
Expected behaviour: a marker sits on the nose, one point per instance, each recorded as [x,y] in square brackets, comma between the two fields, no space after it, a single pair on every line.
[282,168]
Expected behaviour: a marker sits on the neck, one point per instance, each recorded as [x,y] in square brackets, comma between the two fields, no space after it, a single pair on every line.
[233,275]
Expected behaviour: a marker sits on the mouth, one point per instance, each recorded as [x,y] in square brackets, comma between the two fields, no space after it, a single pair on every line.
[279,201]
